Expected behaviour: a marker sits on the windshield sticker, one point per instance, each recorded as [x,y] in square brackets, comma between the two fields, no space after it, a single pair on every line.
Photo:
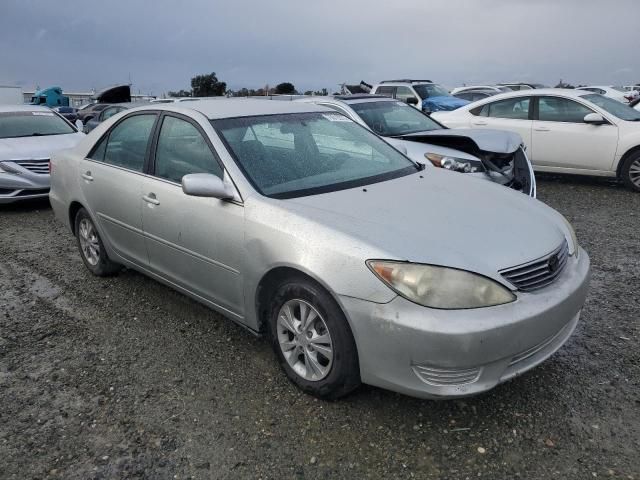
[335,117]
[43,114]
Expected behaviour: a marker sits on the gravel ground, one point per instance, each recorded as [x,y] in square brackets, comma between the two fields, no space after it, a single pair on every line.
[124,378]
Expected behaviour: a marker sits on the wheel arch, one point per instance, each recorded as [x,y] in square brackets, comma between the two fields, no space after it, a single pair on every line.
[273,278]
[74,208]
[624,157]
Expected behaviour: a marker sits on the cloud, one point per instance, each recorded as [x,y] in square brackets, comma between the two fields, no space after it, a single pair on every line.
[90,44]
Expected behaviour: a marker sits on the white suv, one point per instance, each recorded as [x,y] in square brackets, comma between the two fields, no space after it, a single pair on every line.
[422,94]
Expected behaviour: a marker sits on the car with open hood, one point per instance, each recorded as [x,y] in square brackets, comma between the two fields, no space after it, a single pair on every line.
[29,135]
[497,156]
[359,264]
[566,131]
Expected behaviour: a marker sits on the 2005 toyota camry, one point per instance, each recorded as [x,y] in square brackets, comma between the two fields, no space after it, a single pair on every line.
[361,265]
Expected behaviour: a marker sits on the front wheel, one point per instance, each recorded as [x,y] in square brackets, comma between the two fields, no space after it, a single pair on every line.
[313,341]
[630,172]
[91,247]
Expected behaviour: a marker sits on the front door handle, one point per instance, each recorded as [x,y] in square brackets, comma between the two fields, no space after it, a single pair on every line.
[87,176]
[151,198]
[542,129]
[481,123]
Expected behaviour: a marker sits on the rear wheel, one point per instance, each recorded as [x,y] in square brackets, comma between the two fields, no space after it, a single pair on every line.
[630,171]
[312,340]
[91,248]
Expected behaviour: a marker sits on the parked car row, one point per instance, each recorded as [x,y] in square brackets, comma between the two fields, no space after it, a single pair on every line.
[492,155]
[565,131]
[359,264]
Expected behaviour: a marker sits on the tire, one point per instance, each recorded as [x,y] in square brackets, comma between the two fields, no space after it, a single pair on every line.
[323,378]
[91,247]
[630,172]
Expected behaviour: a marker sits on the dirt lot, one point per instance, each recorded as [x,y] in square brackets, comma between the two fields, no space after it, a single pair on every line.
[124,378]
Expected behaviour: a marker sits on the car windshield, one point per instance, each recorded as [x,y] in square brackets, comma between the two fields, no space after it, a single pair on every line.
[614,107]
[32,124]
[391,119]
[293,155]
[426,90]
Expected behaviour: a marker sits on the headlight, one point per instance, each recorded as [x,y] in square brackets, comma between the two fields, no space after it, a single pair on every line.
[453,163]
[573,247]
[440,287]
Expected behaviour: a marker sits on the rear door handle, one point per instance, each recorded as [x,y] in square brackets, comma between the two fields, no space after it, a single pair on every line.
[87,176]
[480,123]
[151,198]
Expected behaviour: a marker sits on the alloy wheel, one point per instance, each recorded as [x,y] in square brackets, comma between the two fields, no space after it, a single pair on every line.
[634,173]
[305,340]
[89,242]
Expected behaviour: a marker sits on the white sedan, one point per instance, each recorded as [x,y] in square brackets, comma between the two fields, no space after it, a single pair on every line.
[566,131]
[617,93]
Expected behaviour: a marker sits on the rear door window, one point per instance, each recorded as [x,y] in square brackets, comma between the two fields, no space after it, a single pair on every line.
[514,108]
[386,90]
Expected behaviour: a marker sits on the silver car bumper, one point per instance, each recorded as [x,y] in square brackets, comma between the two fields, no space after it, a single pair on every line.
[23,186]
[431,353]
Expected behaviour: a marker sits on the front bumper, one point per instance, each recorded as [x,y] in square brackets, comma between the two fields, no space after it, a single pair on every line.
[24,179]
[22,186]
[432,353]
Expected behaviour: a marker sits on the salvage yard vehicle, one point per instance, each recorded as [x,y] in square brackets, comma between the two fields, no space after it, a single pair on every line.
[108,111]
[617,93]
[566,131]
[360,264]
[483,88]
[491,155]
[422,94]
[29,135]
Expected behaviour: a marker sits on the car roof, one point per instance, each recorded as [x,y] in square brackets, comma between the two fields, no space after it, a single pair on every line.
[566,92]
[348,99]
[23,108]
[403,83]
[237,107]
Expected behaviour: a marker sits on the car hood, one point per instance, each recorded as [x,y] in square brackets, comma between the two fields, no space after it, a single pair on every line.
[444,102]
[495,141]
[25,148]
[443,218]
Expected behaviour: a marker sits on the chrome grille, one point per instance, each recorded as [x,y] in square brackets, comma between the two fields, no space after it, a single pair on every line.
[539,273]
[36,166]
[446,377]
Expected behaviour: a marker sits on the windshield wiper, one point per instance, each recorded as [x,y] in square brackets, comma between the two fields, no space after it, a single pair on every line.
[35,134]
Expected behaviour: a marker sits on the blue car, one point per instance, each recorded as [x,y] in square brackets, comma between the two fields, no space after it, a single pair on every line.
[423,94]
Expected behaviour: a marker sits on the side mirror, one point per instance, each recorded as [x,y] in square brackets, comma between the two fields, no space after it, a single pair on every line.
[79,125]
[594,119]
[412,100]
[206,185]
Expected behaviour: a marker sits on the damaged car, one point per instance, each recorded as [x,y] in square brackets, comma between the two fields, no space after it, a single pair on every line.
[493,155]
[359,265]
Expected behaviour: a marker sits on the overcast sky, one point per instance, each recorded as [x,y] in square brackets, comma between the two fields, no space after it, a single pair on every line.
[161,44]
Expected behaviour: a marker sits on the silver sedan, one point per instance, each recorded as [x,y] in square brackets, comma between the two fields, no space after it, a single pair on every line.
[359,264]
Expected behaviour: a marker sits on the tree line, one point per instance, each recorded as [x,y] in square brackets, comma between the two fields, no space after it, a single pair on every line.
[208,85]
